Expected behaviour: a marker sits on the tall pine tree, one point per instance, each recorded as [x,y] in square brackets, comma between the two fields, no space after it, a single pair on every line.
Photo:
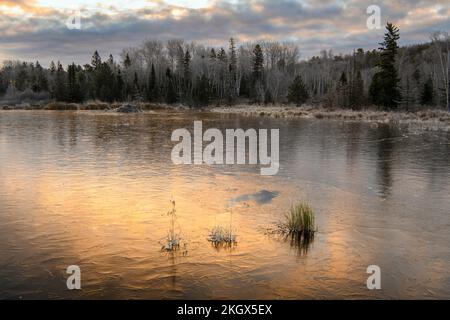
[73,86]
[233,72]
[258,72]
[60,84]
[385,90]
[187,76]
[152,89]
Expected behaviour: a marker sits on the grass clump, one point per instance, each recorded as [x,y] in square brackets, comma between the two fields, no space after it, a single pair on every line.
[220,235]
[223,237]
[172,243]
[173,239]
[298,227]
[300,220]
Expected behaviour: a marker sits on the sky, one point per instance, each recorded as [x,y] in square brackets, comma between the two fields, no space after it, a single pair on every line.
[34,30]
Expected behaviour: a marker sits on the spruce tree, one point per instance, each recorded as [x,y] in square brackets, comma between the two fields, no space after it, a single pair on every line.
[119,86]
[212,54]
[298,93]
[187,76]
[258,62]
[222,74]
[385,90]
[73,87]
[343,91]
[22,78]
[60,84]
[427,95]
[222,56]
[3,84]
[375,89]
[357,91]
[111,60]
[106,82]
[96,60]
[127,61]
[41,81]
[202,91]
[171,94]
[233,72]
[136,93]
[52,68]
[258,70]
[152,87]
[343,79]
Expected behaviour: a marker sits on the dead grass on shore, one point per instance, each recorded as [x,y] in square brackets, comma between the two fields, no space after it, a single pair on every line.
[431,119]
[87,106]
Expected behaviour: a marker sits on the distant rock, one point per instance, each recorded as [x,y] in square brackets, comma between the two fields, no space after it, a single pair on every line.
[128,108]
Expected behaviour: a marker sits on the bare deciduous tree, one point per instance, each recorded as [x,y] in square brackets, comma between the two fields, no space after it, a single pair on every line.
[441,43]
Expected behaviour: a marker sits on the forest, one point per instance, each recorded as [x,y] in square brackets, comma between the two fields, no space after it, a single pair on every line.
[267,72]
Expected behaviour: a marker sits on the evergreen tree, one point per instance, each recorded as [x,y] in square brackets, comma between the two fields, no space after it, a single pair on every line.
[244,87]
[119,86]
[212,54]
[233,72]
[127,61]
[128,85]
[376,87]
[222,74]
[298,93]
[73,87]
[427,95]
[171,94]
[136,93]
[52,74]
[83,83]
[52,68]
[268,98]
[343,79]
[202,91]
[96,60]
[357,91]
[258,63]
[152,89]
[3,83]
[41,81]
[104,82]
[258,70]
[406,93]
[22,78]
[385,89]
[60,81]
[187,76]
[98,76]
[111,61]
[222,56]
[343,91]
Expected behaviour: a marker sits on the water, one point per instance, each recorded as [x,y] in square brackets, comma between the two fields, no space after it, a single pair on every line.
[93,189]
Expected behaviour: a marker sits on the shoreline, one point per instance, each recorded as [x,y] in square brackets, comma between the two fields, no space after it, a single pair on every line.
[428,119]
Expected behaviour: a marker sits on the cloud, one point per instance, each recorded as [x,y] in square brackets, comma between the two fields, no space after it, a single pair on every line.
[30,30]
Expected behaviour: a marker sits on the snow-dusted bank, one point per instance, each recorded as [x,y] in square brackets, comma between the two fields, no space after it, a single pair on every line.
[429,119]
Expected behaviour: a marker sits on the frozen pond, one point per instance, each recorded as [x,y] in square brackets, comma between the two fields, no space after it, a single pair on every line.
[93,189]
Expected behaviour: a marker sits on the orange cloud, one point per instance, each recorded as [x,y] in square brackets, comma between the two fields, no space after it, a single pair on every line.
[25,6]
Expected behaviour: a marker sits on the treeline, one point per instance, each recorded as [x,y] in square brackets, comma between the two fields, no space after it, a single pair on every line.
[266,72]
